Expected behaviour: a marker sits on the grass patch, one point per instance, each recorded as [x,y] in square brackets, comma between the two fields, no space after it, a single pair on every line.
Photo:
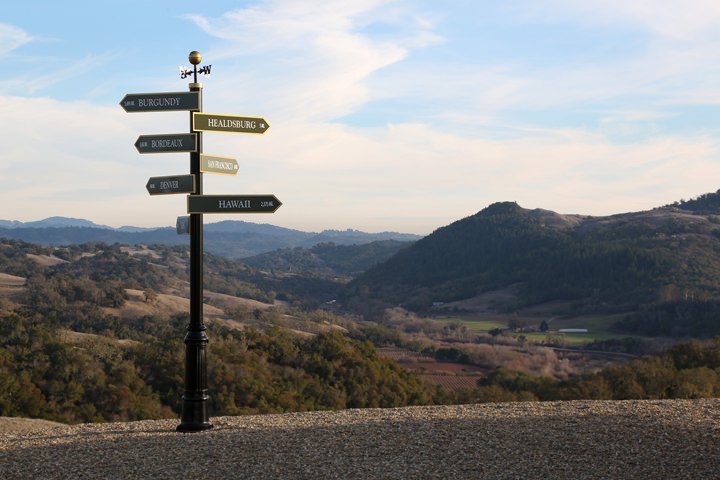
[600,327]
[572,339]
[474,326]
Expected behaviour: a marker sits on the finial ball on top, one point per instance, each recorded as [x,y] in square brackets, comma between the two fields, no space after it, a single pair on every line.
[195,58]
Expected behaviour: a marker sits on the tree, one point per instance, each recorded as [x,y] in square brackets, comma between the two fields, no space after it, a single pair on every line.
[699,382]
[516,324]
[151,296]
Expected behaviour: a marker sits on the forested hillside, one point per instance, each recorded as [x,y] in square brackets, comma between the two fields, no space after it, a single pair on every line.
[707,203]
[47,372]
[688,370]
[75,348]
[94,333]
[646,262]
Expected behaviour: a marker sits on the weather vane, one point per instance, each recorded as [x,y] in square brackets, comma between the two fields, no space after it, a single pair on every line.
[195,58]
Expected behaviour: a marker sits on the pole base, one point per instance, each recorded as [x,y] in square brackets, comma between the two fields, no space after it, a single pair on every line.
[188,427]
[194,417]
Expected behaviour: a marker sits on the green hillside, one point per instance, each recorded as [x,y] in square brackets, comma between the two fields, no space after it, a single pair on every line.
[629,262]
[95,333]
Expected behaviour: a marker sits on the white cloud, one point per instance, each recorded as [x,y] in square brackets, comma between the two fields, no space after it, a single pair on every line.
[12,37]
[413,177]
[76,159]
[303,66]
[311,61]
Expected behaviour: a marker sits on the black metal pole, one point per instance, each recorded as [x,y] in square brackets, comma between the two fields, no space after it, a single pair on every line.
[195,398]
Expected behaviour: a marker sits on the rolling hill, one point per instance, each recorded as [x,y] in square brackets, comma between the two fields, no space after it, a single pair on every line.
[94,333]
[639,261]
[327,259]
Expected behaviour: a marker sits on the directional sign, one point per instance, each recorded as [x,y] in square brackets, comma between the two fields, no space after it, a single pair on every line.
[174,184]
[215,122]
[174,142]
[221,165]
[182,225]
[161,102]
[233,203]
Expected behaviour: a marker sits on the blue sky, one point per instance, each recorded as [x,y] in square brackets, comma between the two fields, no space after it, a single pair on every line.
[385,115]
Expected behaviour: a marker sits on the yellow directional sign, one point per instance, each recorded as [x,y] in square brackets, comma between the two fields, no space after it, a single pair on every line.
[216,164]
[216,122]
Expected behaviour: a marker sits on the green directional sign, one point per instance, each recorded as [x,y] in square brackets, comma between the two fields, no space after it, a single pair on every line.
[215,122]
[221,165]
[173,184]
[161,102]
[232,203]
[173,142]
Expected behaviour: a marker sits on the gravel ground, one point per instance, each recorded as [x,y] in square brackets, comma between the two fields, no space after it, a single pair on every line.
[559,440]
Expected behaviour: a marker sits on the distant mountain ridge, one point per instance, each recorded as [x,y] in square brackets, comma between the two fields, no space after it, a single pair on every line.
[229,238]
[53,222]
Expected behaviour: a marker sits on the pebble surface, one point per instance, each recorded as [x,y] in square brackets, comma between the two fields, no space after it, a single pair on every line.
[531,440]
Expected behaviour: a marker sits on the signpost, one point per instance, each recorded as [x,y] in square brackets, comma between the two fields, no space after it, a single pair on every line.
[161,102]
[216,122]
[195,397]
[221,165]
[168,185]
[170,142]
[232,203]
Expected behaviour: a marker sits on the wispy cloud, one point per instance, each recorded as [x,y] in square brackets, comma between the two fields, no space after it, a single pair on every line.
[293,24]
[680,21]
[671,51]
[12,37]
[41,77]
[315,58]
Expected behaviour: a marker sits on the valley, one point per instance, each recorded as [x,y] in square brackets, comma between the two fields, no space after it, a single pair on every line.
[508,304]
